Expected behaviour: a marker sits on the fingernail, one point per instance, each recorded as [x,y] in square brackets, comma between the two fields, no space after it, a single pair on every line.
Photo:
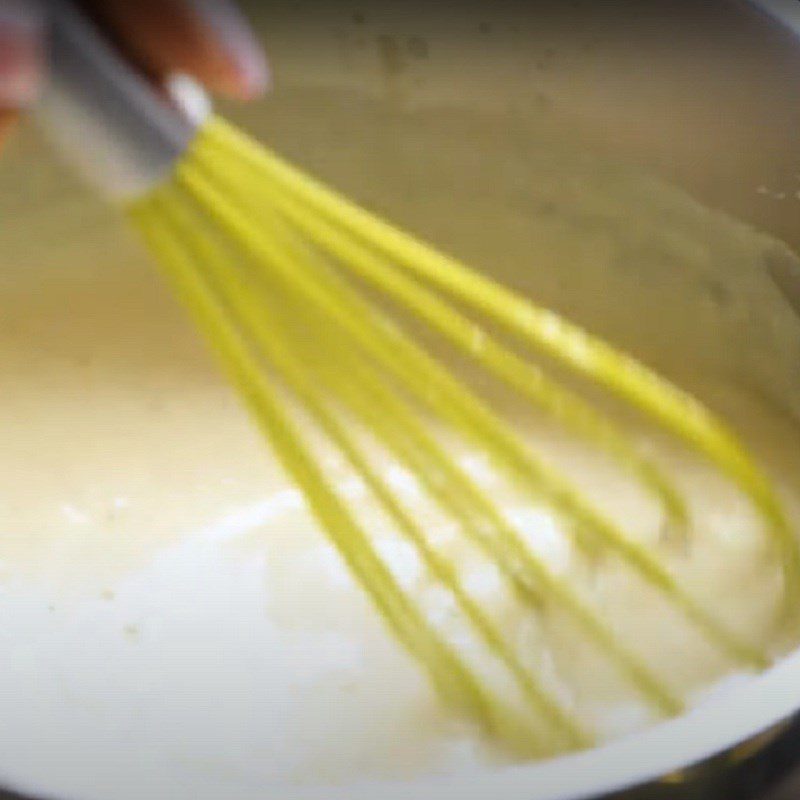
[21,28]
[235,36]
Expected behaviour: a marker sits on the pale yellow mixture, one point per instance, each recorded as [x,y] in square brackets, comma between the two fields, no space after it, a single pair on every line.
[172,623]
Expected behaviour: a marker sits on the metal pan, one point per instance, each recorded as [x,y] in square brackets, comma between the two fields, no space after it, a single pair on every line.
[715,108]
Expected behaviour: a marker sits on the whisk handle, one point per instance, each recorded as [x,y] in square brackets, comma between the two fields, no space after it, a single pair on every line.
[118,129]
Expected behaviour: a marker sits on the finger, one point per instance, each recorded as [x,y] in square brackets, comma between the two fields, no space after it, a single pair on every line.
[208,39]
[7,121]
[21,55]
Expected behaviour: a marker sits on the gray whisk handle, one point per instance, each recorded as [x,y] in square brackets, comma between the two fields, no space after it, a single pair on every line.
[122,133]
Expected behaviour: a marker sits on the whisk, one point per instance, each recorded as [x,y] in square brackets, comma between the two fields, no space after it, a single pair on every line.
[294,286]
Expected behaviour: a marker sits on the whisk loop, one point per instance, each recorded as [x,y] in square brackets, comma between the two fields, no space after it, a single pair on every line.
[253,245]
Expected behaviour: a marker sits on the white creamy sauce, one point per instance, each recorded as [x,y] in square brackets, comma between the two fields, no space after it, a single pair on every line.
[171,617]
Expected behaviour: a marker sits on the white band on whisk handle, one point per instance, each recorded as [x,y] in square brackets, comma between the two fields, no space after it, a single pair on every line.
[120,132]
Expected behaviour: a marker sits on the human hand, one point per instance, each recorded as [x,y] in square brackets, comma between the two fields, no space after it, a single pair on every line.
[208,39]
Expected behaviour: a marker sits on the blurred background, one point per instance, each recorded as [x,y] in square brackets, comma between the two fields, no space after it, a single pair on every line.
[703,94]
[549,143]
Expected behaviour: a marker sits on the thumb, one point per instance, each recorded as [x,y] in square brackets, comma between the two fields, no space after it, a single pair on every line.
[21,62]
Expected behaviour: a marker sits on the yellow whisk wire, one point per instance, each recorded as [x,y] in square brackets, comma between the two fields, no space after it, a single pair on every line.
[676,410]
[253,246]
[521,375]
[248,307]
[452,402]
[398,427]
[449,674]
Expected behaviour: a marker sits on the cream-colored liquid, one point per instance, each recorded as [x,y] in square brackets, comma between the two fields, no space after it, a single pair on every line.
[172,620]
